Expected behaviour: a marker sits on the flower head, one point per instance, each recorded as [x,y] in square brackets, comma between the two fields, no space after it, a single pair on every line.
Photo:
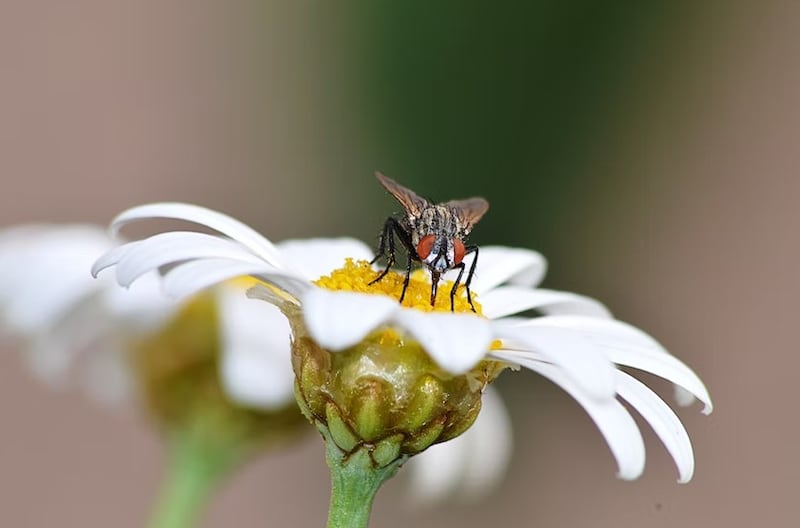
[395,379]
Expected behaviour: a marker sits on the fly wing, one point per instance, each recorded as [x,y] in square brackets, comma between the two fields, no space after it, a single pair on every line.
[411,201]
[468,211]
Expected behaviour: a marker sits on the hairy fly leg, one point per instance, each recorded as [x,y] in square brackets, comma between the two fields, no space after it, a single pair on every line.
[386,248]
[434,287]
[408,275]
[461,266]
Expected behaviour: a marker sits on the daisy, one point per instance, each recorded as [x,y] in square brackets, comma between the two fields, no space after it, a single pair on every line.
[118,344]
[389,380]
[189,364]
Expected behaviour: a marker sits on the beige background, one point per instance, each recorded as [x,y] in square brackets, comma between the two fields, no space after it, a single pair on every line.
[104,104]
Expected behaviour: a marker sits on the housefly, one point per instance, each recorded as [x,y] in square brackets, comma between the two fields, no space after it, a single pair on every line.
[432,234]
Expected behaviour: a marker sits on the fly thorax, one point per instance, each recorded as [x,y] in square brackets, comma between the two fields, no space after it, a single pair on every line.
[437,220]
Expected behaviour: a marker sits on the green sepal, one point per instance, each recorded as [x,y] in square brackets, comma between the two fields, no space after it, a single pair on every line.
[370,408]
[339,430]
[425,438]
[456,428]
[388,450]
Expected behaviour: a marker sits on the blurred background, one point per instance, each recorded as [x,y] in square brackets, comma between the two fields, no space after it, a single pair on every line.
[648,149]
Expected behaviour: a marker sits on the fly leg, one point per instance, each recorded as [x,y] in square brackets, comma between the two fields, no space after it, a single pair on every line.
[469,249]
[386,248]
[408,278]
[386,238]
[460,267]
[434,287]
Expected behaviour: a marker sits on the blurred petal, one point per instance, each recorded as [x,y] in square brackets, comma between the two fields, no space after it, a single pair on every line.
[50,356]
[107,378]
[339,320]
[316,257]
[503,265]
[666,425]
[508,300]
[457,342]
[142,307]
[615,423]
[437,472]
[577,357]
[75,345]
[491,435]
[222,223]
[256,364]
[44,271]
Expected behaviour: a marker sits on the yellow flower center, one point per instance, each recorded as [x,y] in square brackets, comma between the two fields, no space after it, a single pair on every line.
[356,276]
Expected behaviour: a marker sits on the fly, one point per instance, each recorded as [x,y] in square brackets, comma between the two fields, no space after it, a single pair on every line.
[432,234]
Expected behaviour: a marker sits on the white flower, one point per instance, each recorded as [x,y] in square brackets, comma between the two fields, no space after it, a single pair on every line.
[576,343]
[71,322]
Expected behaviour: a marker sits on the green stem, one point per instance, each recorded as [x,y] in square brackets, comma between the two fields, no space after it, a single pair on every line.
[354,483]
[192,471]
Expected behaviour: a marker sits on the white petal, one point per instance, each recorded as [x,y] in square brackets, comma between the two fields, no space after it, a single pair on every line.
[339,320]
[437,472]
[456,341]
[508,300]
[141,308]
[51,357]
[472,464]
[666,425]
[577,357]
[44,272]
[74,325]
[615,423]
[503,265]
[197,275]
[683,397]
[217,221]
[112,257]
[52,353]
[256,363]
[316,257]
[491,442]
[629,346]
[176,246]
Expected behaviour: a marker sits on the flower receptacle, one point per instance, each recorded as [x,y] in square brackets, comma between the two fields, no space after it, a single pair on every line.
[384,395]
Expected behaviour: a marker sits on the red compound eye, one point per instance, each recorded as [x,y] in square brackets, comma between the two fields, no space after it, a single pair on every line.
[425,245]
[458,251]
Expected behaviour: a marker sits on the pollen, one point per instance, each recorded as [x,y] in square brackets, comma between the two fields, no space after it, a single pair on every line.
[356,276]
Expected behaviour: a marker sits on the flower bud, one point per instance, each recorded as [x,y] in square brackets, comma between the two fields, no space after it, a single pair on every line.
[384,394]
